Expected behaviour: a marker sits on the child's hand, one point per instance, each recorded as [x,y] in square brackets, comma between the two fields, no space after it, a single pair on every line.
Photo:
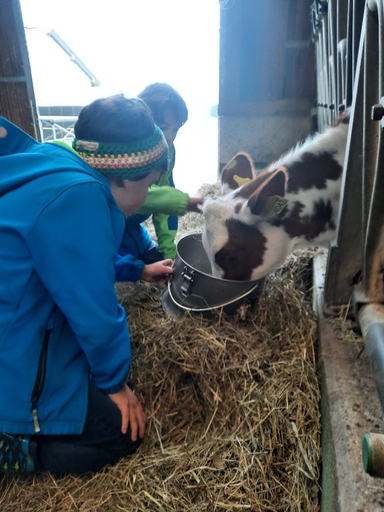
[158,272]
[131,412]
[194,204]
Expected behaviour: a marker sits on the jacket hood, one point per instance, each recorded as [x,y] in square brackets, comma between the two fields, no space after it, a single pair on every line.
[23,159]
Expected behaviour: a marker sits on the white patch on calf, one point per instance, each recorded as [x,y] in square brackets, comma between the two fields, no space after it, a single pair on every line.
[308,197]
[225,189]
[215,232]
[333,141]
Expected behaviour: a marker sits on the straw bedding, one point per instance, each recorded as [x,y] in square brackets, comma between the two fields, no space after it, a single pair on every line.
[232,405]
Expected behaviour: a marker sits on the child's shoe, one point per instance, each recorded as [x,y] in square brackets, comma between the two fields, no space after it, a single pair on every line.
[14,454]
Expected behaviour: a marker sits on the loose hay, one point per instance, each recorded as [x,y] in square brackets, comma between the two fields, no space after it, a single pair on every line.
[232,407]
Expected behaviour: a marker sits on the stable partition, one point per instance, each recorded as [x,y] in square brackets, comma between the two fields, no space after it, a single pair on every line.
[349,38]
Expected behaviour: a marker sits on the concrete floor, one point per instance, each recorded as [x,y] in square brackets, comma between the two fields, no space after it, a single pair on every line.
[350,409]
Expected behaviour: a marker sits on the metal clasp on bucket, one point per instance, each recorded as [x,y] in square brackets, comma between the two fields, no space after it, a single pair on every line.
[187,281]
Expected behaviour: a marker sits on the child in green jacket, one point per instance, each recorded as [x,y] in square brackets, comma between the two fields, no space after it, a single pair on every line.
[164,202]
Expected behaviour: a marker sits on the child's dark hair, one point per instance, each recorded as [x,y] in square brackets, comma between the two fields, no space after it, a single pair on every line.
[159,96]
[115,119]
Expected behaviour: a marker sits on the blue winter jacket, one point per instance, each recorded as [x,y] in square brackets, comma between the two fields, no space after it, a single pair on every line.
[136,239]
[60,322]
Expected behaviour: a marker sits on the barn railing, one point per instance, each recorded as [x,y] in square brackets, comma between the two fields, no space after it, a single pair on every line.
[349,38]
[57,127]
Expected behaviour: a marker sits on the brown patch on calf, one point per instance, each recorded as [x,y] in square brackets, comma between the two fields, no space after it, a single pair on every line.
[243,252]
[241,165]
[238,207]
[309,226]
[342,119]
[313,171]
[275,185]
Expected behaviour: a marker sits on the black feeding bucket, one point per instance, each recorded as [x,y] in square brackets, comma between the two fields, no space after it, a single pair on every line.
[193,288]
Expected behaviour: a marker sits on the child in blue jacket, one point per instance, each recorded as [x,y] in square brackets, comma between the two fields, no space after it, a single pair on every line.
[164,202]
[64,342]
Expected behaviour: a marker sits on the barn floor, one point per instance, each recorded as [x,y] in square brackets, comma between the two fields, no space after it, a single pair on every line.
[233,412]
[233,416]
[350,409]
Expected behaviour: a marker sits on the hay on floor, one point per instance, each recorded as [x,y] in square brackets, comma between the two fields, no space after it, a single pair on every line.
[232,407]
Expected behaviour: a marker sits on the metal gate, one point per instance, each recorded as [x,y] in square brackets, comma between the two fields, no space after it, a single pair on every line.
[349,37]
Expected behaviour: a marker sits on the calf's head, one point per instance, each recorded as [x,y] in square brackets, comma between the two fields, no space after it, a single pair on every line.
[240,234]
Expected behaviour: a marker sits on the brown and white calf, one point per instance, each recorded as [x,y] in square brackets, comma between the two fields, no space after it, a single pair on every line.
[293,203]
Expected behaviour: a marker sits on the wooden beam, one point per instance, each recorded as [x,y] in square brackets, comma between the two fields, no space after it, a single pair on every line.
[17,100]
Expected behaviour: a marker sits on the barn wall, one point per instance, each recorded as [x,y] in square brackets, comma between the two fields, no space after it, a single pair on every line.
[267,79]
[17,101]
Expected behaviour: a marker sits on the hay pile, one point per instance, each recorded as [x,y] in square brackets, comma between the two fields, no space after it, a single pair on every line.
[232,407]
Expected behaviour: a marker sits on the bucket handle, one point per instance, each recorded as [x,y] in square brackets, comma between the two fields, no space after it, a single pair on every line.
[188,277]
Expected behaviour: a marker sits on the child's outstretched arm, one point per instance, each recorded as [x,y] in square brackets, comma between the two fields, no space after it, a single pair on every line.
[194,204]
[170,201]
[165,199]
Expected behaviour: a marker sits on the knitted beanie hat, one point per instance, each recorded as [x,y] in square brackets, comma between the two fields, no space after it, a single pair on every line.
[126,161]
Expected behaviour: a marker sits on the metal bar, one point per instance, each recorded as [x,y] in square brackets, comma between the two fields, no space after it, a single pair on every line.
[341,34]
[58,119]
[52,127]
[322,59]
[341,41]
[74,58]
[355,17]
[63,129]
[332,60]
[331,103]
[363,183]
[342,268]
[371,95]
[373,249]
[342,19]
[371,320]
[319,83]
[349,57]
[341,73]
[324,51]
[373,210]
[358,15]
[13,79]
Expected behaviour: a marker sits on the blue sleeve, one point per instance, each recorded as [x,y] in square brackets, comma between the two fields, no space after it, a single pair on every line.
[73,247]
[128,268]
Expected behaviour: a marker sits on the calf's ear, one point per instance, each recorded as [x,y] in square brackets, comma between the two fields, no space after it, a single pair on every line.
[268,199]
[237,172]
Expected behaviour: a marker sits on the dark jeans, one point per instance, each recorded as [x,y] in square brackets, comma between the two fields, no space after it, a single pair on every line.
[100,444]
[152,255]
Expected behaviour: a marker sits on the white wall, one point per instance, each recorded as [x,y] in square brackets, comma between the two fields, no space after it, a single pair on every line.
[128,44]
[264,138]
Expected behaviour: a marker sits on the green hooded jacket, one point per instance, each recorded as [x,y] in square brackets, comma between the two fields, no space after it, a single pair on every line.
[165,203]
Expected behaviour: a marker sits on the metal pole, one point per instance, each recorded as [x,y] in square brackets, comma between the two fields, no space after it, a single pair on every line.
[373,189]
[371,320]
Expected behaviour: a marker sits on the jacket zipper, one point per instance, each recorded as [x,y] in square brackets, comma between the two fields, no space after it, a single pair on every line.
[40,379]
